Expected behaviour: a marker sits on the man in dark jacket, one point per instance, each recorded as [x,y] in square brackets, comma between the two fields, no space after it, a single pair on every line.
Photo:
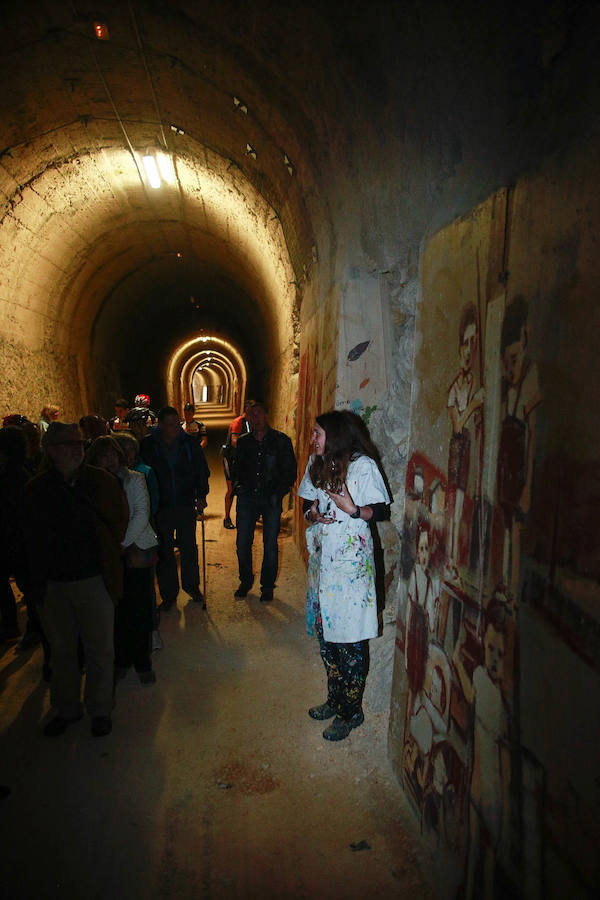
[264,471]
[182,473]
[76,519]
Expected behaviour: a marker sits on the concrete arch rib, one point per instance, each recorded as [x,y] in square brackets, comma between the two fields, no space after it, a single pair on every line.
[218,372]
[223,369]
[185,360]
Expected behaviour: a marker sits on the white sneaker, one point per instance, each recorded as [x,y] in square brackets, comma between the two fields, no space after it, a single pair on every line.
[157,644]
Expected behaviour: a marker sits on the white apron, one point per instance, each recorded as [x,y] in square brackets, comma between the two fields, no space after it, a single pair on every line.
[341,576]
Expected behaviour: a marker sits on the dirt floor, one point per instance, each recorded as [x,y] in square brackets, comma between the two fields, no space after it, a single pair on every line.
[215,783]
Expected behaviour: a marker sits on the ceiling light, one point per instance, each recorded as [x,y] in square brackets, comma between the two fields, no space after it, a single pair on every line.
[151,171]
[165,167]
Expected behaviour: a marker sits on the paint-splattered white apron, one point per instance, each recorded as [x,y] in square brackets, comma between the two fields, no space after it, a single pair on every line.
[341,577]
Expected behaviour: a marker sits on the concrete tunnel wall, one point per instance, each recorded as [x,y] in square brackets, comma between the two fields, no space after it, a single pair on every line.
[373,130]
[83,285]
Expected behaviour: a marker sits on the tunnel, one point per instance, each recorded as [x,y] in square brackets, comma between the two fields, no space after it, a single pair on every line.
[391,209]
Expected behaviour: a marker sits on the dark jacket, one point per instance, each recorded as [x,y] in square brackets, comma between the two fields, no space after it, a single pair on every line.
[13,545]
[185,484]
[54,510]
[279,465]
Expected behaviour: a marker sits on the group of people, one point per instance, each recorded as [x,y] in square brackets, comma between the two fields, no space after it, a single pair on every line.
[86,516]
[88,524]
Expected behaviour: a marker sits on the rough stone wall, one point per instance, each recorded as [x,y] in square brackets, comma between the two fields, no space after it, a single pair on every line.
[34,378]
[472,101]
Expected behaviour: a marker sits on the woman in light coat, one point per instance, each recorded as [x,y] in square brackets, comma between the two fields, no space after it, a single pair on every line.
[133,615]
[343,490]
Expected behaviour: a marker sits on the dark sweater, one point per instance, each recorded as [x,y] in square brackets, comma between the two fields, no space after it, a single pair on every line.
[74,531]
[266,467]
[181,469]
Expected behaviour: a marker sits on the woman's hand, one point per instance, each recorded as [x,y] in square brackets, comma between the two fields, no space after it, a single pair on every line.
[344,500]
[313,515]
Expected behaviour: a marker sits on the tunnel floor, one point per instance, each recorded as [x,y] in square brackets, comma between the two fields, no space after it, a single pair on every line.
[214,782]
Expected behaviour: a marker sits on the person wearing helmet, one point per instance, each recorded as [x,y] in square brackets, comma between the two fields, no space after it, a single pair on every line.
[142,401]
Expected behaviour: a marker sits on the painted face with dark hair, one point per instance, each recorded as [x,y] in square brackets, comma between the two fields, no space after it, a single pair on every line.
[467,347]
[513,359]
[423,550]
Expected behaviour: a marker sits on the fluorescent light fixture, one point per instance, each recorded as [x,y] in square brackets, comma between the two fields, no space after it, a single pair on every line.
[165,167]
[151,171]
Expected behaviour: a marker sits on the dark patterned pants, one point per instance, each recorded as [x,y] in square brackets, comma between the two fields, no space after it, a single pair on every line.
[346,666]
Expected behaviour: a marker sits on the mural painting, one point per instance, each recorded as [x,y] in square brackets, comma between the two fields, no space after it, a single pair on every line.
[316,380]
[459,626]
[480,550]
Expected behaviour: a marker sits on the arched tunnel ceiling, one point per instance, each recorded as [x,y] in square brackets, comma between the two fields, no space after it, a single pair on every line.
[297,107]
[91,256]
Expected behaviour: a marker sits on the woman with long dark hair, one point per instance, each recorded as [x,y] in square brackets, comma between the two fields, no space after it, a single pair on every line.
[343,490]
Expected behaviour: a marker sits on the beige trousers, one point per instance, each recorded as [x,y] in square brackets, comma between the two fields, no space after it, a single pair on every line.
[74,609]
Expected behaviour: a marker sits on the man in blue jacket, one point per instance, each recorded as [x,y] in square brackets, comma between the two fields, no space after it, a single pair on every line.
[182,474]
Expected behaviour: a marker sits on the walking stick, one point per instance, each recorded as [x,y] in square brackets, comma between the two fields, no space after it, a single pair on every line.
[203,561]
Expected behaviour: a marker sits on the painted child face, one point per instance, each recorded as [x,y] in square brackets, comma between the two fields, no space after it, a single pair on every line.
[493,645]
[319,437]
[423,550]
[467,347]
[512,360]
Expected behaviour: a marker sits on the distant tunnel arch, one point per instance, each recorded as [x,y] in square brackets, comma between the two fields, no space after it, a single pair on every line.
[184,363]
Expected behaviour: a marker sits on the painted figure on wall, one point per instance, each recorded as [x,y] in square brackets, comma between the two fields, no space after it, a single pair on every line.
[490,773]
[421,612]
[428,705]
[463,402]
[441,802]
[520,397]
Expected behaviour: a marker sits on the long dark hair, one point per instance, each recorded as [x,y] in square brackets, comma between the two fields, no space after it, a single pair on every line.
[346,437]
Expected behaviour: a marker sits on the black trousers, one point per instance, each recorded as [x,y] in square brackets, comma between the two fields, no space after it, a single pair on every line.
[249,508]
[346,666]
[133,621]
[179,520]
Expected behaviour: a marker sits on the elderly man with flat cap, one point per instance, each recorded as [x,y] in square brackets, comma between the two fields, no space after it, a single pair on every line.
[76,520]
